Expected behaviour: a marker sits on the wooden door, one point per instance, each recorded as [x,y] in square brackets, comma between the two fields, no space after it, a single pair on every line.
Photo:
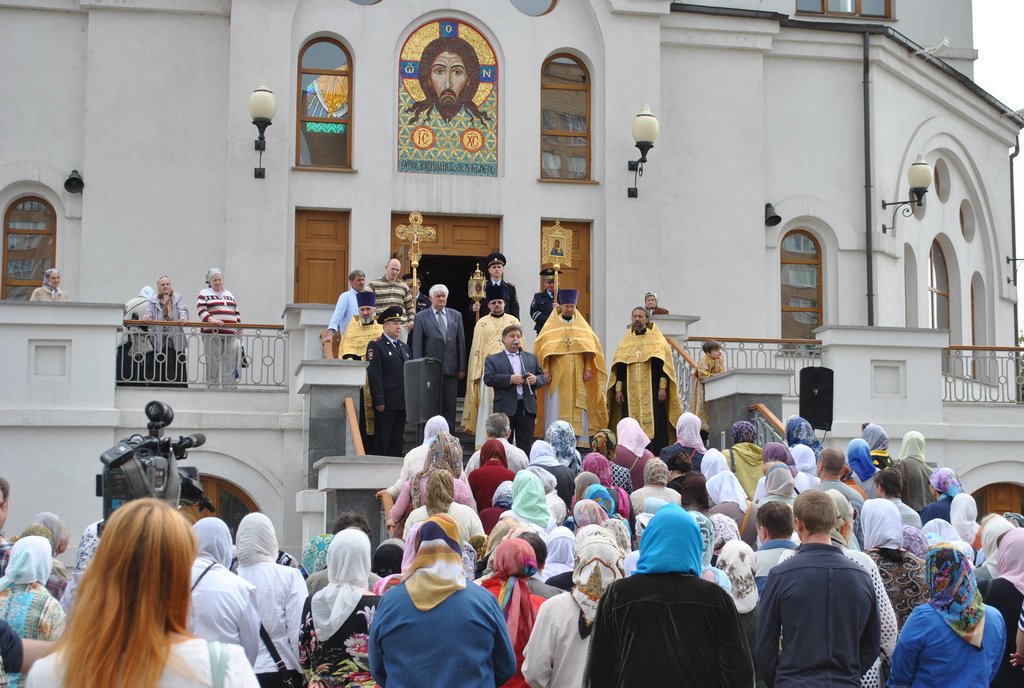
[456,236]
[578,276]
[231,504]
[999,498]
[321,255]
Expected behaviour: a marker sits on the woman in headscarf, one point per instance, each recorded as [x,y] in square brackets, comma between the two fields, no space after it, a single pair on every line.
[878,445]
[440,500]
[50,291]
[745,458]
[779,485]
[513,563]
[588,512]
[806,467]
[963,516]
[602,468]
[955,634]
[25,604]
[560,543]
[938,530]
[434,602]
[707,539]
[86,550]
[993,528]
[501,502]
[280,595]
[688,437]
[739,563]
[170,343]
[562,438]
[584,480]
[773,453]
[542,455]
[915,542]
[314,554]
[619,531]
[632,637]
[631,452]
[858,455]
[529,506]
[605,443]
[944,486]
[729,499]
[902,572]
[1006,594]
[799,431]
[713,463]
[444,454]
[556,506]
[556,654]
[414,461]
[493,471]
[655,485]
[914,471]
[333,642]
[725,530]
[684,479]
[387,559]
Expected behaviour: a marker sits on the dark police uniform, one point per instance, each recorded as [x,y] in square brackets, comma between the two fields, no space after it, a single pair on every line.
[385,369]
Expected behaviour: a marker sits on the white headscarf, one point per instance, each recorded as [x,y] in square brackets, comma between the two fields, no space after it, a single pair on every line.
[348,568]
[631,436]
[713,463]
[939,529]
[598,564]
[560,542]
[882,525]
[434,427]
[31,562]
[256,540]
[994,527]
[725,487]
[803,457]
[213,540]
[738,562]
[963,516]
[543,454]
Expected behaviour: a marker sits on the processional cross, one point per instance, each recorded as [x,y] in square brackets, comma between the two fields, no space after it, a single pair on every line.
[414,232]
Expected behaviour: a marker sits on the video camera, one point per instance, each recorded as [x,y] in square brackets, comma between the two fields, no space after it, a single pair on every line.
[139,466]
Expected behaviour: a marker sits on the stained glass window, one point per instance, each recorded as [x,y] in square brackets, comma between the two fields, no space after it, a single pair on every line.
[325,105]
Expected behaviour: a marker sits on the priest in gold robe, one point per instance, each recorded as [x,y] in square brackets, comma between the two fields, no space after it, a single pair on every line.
[643,383]
[486,341]
[571,354]
[361,330]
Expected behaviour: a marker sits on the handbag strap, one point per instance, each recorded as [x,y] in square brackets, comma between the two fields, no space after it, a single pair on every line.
[274,654]
[746,517]
[201,575]
[218,663]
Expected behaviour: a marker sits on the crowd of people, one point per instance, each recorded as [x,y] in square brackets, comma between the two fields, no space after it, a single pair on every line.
[782,564]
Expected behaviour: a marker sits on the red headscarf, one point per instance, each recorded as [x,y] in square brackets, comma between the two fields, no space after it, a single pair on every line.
[493,449]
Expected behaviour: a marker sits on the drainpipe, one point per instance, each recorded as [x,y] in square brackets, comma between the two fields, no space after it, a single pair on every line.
[1013,239]
[868,207]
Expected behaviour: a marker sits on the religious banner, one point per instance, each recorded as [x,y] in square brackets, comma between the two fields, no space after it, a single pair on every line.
[448,101]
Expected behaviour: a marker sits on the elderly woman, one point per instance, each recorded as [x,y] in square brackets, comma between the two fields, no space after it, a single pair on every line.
[440,495]
[945,485]
[217,307]
[902,572]
[529,505]
[799,431]
[434,602]
[24,602]
[559,511]
[170,343]
[914,471]
[745,458]
[779,485]
[493,471]
[858,455]
[955,634]
[444,454]
[688,437]
[655,485]
[738,561]
[631,452]
[993,528]
[730,500]
[598,465]
[556,654]
[1006,594]
[963,516]
[336,620]
[50,291]
[542,455]
[774,452]
[561,436]
[806,467]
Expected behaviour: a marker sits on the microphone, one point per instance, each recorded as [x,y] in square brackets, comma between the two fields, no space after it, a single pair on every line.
[189,441]
[519,347]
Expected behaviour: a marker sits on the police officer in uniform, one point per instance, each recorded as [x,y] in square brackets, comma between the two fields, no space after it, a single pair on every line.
[543,301]
[496,269]
[386,357]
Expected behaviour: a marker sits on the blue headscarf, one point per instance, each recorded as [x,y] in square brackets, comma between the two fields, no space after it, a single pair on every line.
[858,453]
[799,431]
[671,543]
[599,493]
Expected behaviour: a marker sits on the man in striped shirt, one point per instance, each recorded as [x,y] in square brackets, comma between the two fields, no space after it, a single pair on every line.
[217,306]
[392,291]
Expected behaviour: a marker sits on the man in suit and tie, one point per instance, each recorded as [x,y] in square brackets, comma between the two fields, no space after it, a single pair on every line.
[438,334]
[515,376]
[385,371]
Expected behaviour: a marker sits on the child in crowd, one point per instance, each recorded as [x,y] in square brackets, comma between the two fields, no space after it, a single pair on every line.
[711,363]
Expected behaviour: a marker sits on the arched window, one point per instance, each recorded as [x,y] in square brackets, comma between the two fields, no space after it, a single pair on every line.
[30,246]
[801,285]
[565,119]
[938,287]
[325,105]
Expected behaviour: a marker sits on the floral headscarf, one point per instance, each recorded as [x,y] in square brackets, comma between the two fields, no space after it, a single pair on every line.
[954,592]
[314,554]
[946,482]
[445,453]
[598,565]
[744,431]
[514,562]
[604,442]
[503,495]
[858,454]
[915,542]
[620,532]
[655,472]
[601,467]
[799,431]
[738,562]
[688,432]
[562,437]
[725,530]
[707,539]
[587,512]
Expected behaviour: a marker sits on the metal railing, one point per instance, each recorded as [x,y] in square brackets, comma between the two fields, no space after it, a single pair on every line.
[170,354]
[686,367]
[769,427]
[985,374]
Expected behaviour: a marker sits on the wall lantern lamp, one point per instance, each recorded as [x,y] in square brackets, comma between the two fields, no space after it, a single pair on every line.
[771,217]
[919,176]
[262,108]
[645,133]
[74,183]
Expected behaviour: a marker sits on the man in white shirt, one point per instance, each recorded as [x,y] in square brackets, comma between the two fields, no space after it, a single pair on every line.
[498,428]
[347,306]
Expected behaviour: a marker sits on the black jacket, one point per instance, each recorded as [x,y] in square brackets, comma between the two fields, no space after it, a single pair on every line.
[498,374]
[385,366]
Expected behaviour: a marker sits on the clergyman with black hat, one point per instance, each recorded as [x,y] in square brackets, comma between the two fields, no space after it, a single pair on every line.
[496,269]
[543,301]
[385,371]
[486,341]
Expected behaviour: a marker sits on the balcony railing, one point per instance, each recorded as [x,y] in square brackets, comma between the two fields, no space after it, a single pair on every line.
[986,374]
[170,354]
